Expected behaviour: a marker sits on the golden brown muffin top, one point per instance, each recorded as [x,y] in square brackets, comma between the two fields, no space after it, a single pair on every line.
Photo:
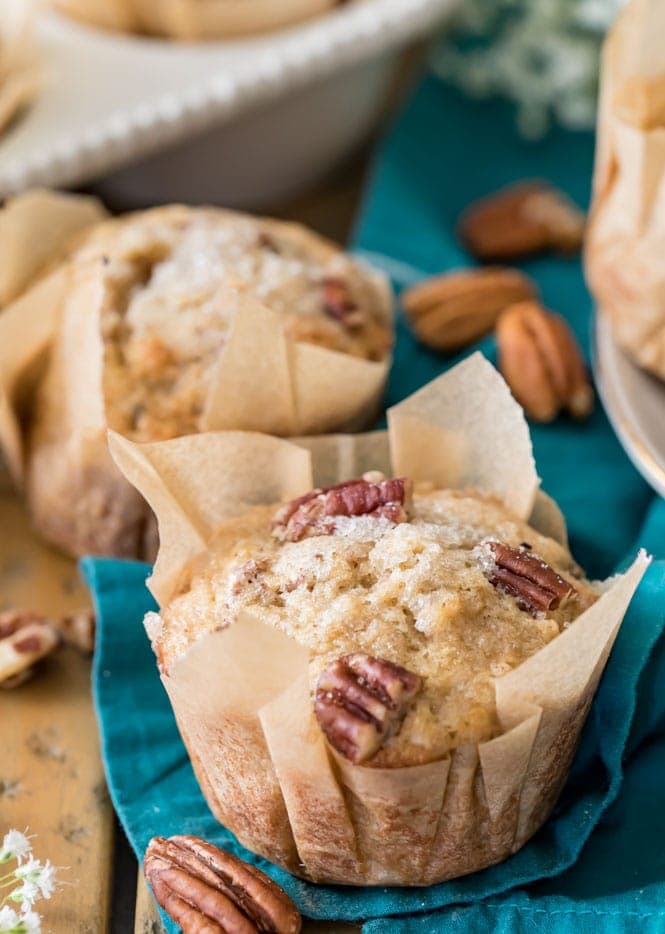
[167,309]
[447,585]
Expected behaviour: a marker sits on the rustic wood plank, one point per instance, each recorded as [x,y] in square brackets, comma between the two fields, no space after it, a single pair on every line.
[51,777]
[147,920]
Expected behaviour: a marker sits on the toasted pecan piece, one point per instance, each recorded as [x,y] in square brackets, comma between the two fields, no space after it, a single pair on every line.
[524,575]
[338,303]
[522,219]
[449,312]
[542,363]
[25,639]
[315,513]
[207,890]
[361,702]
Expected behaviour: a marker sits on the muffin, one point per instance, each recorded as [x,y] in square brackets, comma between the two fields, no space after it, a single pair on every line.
[426,582]
[194,19]
[626,237]
[379,681]
[181,319]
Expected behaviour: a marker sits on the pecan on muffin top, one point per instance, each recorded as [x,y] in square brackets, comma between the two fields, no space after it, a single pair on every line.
[410,602]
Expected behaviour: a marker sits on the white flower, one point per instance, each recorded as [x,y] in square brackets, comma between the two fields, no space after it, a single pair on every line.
[543,54]
[8,919]
[46,880]
[25,895]
[15,845]
[30,923]
[38,875]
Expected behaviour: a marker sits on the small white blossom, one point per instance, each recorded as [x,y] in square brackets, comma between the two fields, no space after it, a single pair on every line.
[35,874]
[31,923]
[8,919]
[28,881]
[25,895]
[542,54]
[46,880]
[15,845]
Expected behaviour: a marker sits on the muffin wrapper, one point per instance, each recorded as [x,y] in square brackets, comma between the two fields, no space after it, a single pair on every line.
[20,74]
[263,382]
[191,19]
[34,228]
[626,237]
[242,696]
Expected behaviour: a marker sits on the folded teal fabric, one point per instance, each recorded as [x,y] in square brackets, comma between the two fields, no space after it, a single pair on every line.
[599,863]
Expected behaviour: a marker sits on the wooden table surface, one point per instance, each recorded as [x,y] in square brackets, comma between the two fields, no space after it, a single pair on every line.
[51,777]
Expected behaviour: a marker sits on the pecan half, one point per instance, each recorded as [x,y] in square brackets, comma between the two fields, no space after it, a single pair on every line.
[361,702]
[451,311]
[25,639]
[542,363]
[338,303]
[524,575]
[78,630]
[315,513]
[526,218]
[206,890]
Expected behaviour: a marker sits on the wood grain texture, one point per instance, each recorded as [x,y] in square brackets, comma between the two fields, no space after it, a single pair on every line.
[51,778]
[147,919]
[51,781]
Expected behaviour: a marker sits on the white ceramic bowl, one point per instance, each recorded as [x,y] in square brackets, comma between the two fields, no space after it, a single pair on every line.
[243,122]
[635,404]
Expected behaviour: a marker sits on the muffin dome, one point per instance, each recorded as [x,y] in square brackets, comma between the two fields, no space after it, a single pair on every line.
[417,589]
[179,320]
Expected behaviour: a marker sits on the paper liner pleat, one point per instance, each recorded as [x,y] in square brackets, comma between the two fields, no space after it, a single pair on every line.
[318,814]
[27,328]
[34,228]
[264,381]
[180,479]
[430,436]
[562,679]
[328,386]
[234,673]
[260,397]
[395,813]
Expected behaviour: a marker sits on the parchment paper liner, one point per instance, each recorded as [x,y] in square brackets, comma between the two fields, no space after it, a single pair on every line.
[626,238]
[20,74]
[192,19]
[34,228]
[242,699]
[263,382]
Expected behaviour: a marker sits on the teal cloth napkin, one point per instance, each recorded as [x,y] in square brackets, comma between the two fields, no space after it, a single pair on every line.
[599,863]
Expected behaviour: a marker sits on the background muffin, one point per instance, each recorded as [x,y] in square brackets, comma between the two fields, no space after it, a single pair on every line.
[168,321]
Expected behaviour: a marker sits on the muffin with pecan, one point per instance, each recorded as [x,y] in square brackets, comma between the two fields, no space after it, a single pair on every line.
[381,681]
[143,315]
[410,603]
[194,19]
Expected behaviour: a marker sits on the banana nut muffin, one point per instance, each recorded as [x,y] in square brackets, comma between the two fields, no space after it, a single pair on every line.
[410,603]
[167,311]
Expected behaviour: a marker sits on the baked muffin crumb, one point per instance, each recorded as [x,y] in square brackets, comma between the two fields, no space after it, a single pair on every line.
[417,594]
